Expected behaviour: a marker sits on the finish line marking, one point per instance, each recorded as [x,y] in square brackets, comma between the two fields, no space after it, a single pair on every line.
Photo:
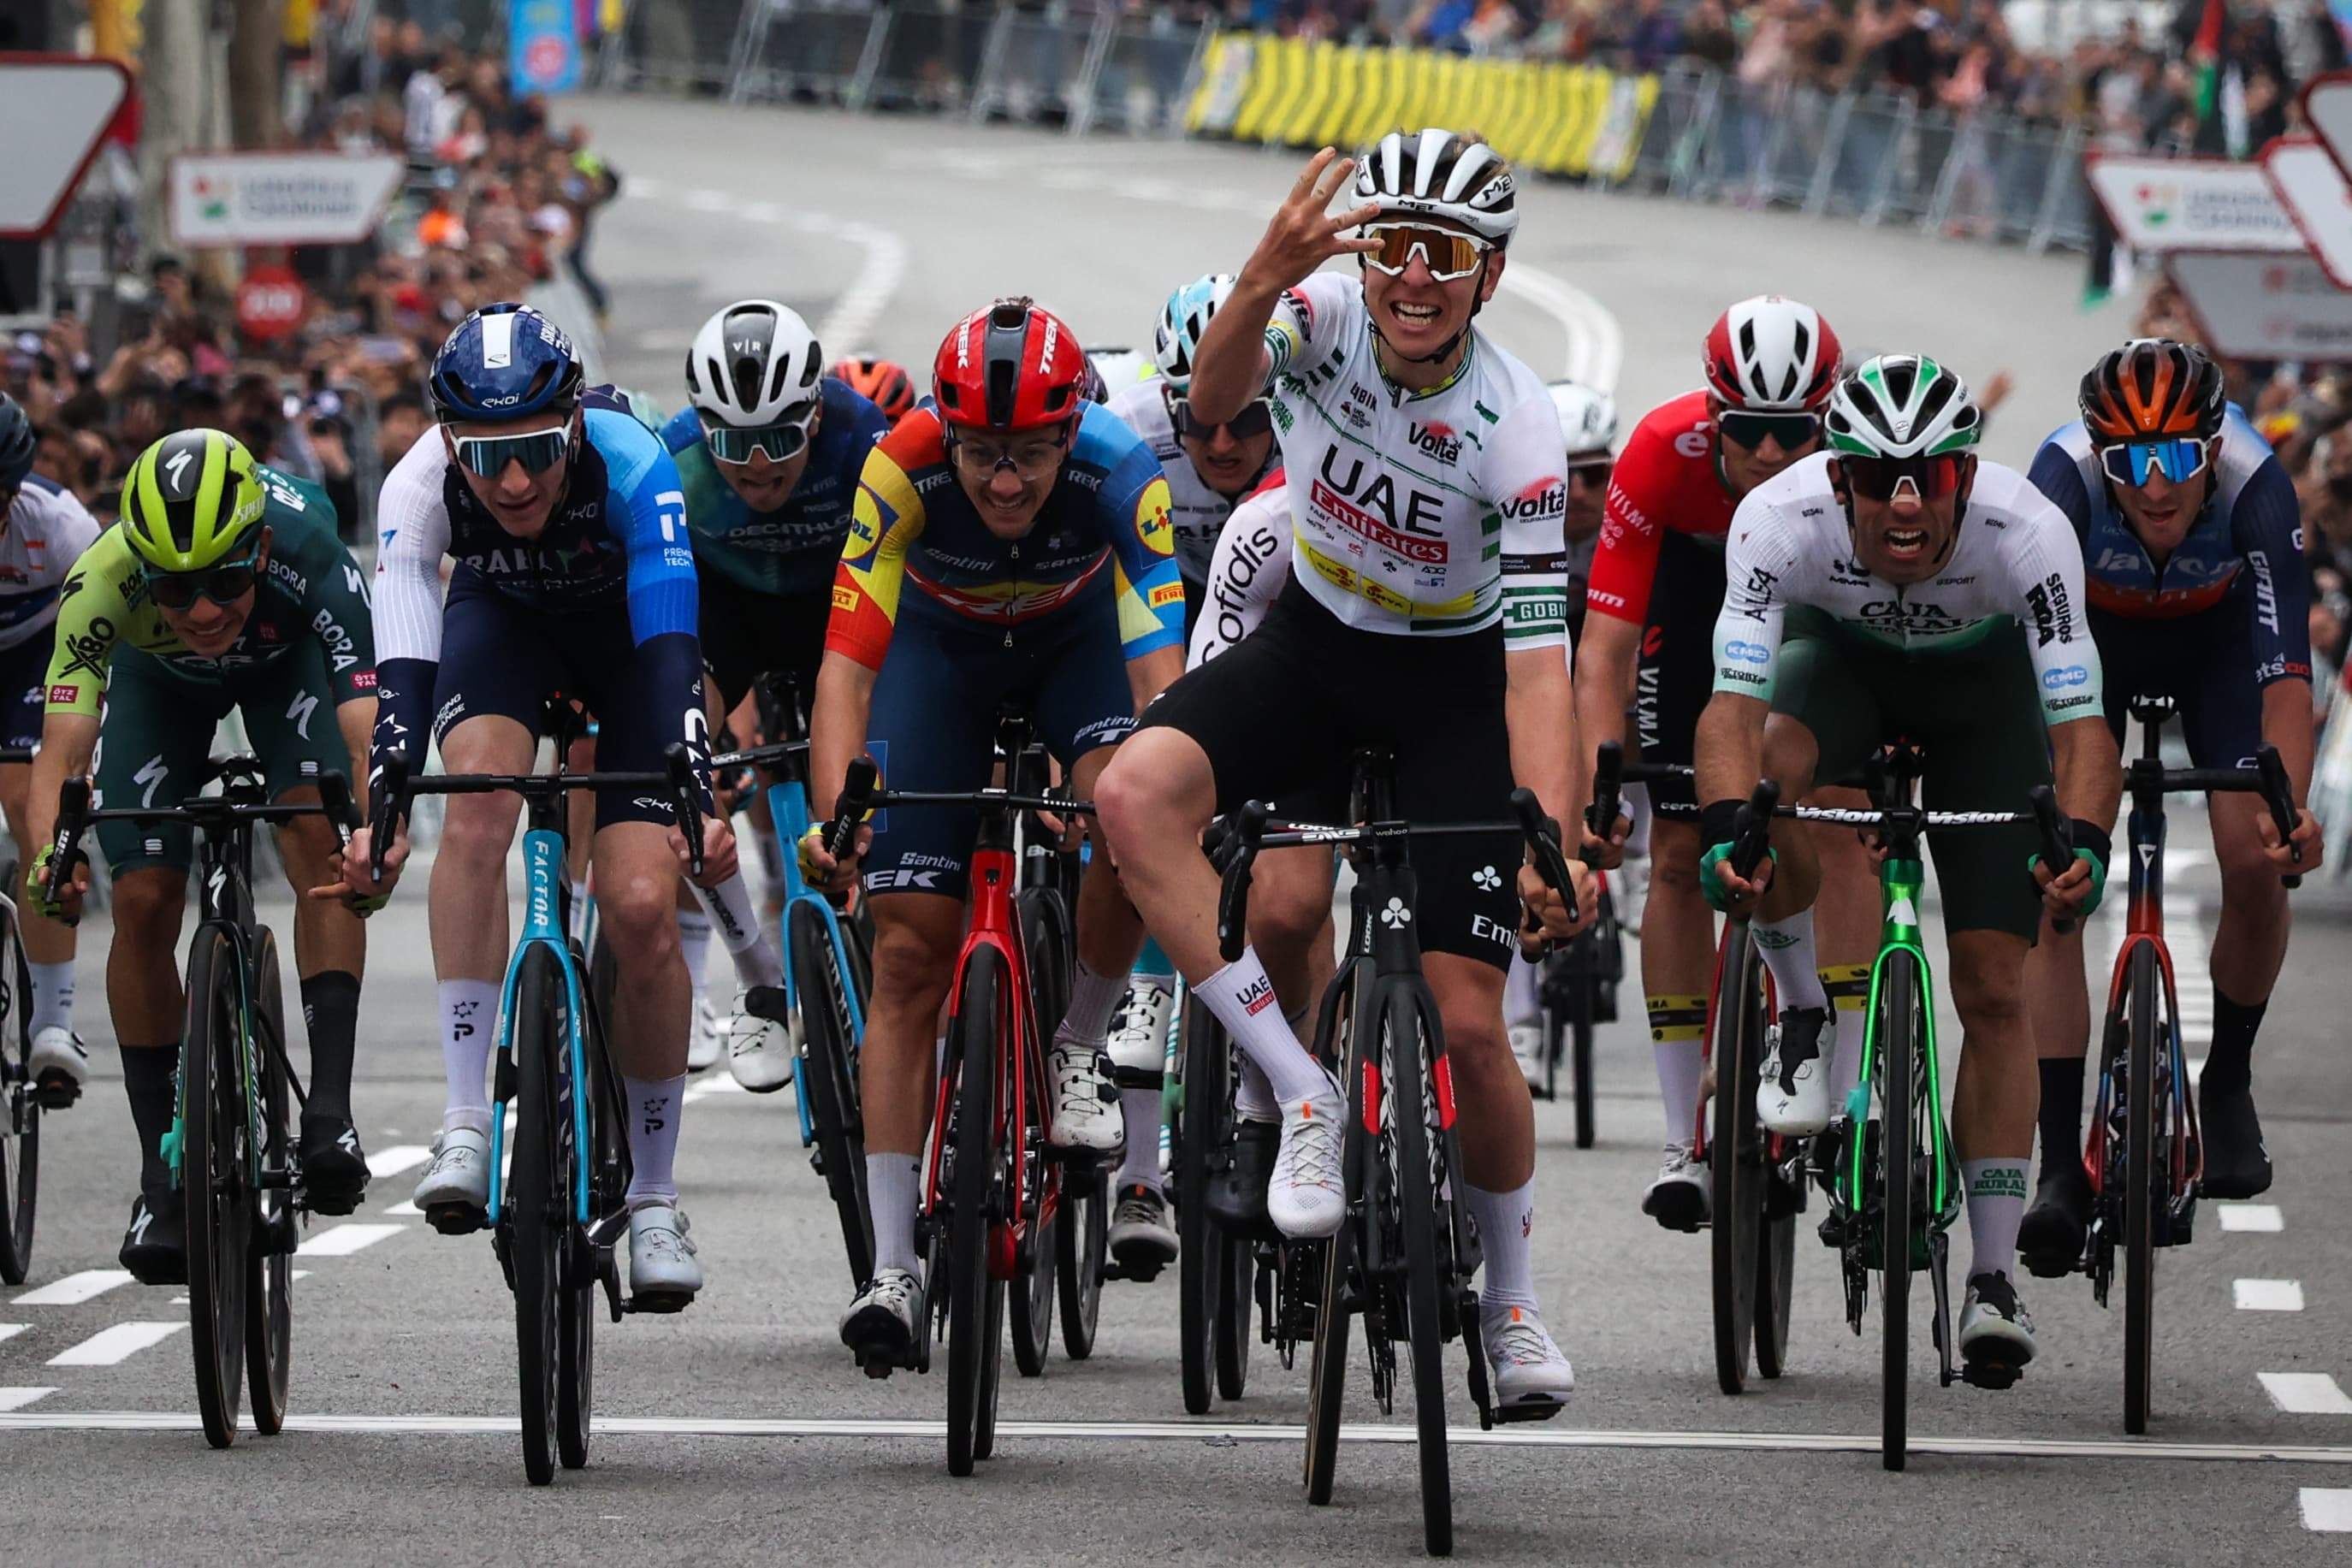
[1209,1432]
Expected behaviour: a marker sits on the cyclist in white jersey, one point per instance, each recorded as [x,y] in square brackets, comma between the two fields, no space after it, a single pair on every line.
[1425,614]
[1898,585]
[43,531]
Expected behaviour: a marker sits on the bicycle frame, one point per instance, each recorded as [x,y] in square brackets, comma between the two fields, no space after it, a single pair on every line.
[546,924]
[788,809]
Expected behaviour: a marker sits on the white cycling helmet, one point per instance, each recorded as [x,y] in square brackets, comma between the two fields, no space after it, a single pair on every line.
[754,363]
[1901,405]
[1771,355]
[1437,174]
[1181,323]
[1588,419]
[1118,369]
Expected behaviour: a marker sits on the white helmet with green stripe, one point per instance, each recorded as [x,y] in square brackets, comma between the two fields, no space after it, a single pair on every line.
[1901,405]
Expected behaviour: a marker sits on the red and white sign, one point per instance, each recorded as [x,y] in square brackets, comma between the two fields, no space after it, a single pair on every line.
[2249,306]
[2327,109]
[54,111]
[2315,194]
[2188,204]
[270,303]
[279,198]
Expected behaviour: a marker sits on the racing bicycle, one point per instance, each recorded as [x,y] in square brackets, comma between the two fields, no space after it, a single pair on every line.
[21,1100]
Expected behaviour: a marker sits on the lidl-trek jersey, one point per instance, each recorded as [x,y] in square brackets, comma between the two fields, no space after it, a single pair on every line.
[1434,513]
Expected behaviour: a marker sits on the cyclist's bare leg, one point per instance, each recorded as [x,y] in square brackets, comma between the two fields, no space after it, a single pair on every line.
[1290,920]
[1845,926]
[2249,941]
[329,956]
[1109,932]
[1678,966]
[142,969]
[1994,1101]
[916,938]
[1498,1145]
[1791,755]
[467,908]
[2058,1005]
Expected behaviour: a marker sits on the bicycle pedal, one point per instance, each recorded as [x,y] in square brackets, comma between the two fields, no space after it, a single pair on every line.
[663,1302]
[1989,1374]
[332,1205]
[1529,1410]
[2044,1267]
[56,1092]
[456,1218]
[772,1003]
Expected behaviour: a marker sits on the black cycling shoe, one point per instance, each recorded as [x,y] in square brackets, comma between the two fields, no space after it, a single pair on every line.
[1237,1196]
[155,1247]
[2236,1162]
[2050,1237]
[334,1167]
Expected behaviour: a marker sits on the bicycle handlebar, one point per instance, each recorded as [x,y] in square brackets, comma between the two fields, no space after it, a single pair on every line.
[1751,830]
[1542,836]
[76,817]
[2057,840]
[395,787]
[850,809]
[1607,786]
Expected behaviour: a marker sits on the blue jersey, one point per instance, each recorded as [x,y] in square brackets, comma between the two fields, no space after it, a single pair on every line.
[2243,556]
[793,549]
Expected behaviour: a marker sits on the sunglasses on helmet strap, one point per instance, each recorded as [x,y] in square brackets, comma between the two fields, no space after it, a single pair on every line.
[1256,418]
[783,441]
[2134,463]
[536,450]
[1930,478]
[1449,254]
[224,582]
[1748,428]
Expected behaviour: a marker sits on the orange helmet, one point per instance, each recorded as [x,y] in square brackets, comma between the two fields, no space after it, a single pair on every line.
[885,382]
[2152,389]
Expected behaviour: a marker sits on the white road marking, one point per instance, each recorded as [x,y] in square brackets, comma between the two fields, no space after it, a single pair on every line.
[341,1240]
[1596,345]
[404,1210]
[2268,1295]
[10,1331]
[75,1288]
[1221,1432]
[400,1157]
[17,1398]
[112,1346]
[2305,1393]
[2252,1216]
[2324,1508]
[723,1084]
[296,1274]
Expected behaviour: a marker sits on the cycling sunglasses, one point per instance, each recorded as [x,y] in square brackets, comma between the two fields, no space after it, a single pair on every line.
[1447,253]
[1255,419]
[536,450]
[1031,459]
[1594,471]
[1930,478]
[781,441]
[224,583]
[1746,429]
[2136,462]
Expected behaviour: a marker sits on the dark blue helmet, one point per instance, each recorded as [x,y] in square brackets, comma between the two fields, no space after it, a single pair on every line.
[504,361]
[16,444]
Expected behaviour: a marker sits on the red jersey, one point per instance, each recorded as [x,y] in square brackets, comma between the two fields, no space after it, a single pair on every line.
[1665,479]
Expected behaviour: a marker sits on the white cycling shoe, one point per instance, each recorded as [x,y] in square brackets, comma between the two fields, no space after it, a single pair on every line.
[1527,1050]
[1678,1198]
[1307,1198]
[455,1190]
[1085,1102]
[1792,1086]
[1529,1370]
[661,1257]
[57,1062]
[761,1052]
[882,1321]
[706,1042]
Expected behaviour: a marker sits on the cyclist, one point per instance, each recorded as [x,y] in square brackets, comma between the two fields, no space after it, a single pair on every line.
[1425,613]
[1588,427]
[572,572]
[884,383]
[223,585]
[1209,469]
[1011,543]
[768,453]
[43,531]
[1897,584]
[1657,586]
[2198,591]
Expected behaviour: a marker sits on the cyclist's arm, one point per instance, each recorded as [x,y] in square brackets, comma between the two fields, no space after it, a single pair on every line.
[664,602]
[838,721]
[2268,525]
[1759,557]
[1528,485]
[1616,601]
[2046,561]
[2088,771]
[90,611]
[884,523]
[412,536]
[1260,331]
[1135,507]
[69,743]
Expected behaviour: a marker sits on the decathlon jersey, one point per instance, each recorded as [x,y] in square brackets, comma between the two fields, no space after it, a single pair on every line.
[1434,513]
[2249,536]
[1196,510]
[45,532]
[2015,562]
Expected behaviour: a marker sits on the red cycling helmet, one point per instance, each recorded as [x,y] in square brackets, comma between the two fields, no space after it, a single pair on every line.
[883,382]
[1771,355]
[1010,367]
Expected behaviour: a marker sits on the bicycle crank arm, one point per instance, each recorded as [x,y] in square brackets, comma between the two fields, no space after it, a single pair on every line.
[1939,1261]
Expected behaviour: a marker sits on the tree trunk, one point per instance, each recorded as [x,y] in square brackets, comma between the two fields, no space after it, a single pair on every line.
[175,61]
[256,73]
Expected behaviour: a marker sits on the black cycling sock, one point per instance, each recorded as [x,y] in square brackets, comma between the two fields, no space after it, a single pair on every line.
[150,1075]
[330,1011]
[2062,1110]
[2229,1060]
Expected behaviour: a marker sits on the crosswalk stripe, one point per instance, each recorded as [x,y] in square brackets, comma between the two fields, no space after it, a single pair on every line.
[2252,1216]
[75,1288]
[402,1210]
[17,1398]
[2326,1508]
[2305,1393]
[400,1157]
[341,1240]
[2268,1295]
[10,1331]
[110,1345]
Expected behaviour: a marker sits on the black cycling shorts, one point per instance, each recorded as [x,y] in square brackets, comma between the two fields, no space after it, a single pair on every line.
[1675,674]
[1281,713]
[746,634]
[2205,663]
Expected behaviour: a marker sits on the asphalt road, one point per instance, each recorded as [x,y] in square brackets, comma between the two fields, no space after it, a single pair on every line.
[739,1431]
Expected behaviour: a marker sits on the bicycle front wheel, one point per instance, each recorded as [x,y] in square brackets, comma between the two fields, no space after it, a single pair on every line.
[214,1162]
[1081,1241]
[1579,1043]
[270,1271]
[1201,1255]
[1735,1156]
[538,1214]
[828,1077]
[974,1298]
[20,1111]
[1411,1054]
[1902,1045]
[2145,1184]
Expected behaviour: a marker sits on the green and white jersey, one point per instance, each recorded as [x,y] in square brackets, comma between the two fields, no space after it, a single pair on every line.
[2015,562]
[1420,514]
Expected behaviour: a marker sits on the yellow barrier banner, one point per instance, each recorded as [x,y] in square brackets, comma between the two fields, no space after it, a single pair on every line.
[1544,115]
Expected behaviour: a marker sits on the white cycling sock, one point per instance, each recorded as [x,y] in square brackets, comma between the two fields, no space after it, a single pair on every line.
[693,941]
[53,995]
[737,921]
[1788,949]
[894,1191]
[1141,1168]
[1093,999]
[1997,1191]
[1505,1234]
[1521,1004]
[1243,999]
[1681,1064]
[653,1109]
[469,1019]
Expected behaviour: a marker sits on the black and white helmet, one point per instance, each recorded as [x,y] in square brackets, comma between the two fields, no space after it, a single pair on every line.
[1438,174]
[1587,420]
[754,363]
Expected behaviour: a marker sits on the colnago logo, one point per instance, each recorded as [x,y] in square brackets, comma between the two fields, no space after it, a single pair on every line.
[1257,996]
[1439,440]
[1545,499]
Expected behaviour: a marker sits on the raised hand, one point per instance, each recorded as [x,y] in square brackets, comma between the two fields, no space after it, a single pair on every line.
[1303,232]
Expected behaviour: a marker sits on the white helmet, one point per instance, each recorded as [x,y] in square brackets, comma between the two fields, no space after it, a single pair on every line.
[1771,355]
[1117,369]
[1588,419]
[1903,405]
[1182,321]
[754,363]
[1437,174]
